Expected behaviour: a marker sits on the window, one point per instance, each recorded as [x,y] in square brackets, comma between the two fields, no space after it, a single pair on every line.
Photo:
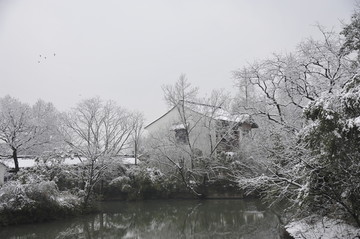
[181,136]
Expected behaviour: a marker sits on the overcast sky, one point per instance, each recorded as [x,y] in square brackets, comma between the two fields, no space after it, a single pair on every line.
[126,50]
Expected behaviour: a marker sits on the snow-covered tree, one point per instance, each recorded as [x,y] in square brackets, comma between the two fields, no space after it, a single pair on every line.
[27,129]
[45,115]
[96,131]
[334,140]
[285,83]
[316,170]
[351,32]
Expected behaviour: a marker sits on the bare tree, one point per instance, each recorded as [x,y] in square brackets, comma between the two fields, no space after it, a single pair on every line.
[96,132]
[246,88]
[176,96]
[180,91]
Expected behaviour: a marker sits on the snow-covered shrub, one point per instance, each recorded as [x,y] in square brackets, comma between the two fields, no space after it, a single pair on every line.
[43,191]
[13,196]
[122,183]
[140,182]
[149,178]
[33,202]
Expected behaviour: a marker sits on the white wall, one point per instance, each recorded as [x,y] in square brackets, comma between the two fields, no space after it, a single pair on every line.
[2,173]
[199,135]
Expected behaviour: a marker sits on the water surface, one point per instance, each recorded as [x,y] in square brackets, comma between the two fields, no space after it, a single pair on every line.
[161,219]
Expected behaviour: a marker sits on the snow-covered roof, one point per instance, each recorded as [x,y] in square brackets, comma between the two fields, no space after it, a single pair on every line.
[211,111]
[177,126]
[218,113]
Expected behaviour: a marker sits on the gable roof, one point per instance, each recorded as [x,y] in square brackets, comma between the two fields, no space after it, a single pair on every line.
[218,113]
[160,117]
[211,111]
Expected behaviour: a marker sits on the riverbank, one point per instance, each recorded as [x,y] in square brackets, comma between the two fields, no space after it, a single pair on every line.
[37,195]
[161,219]
[43,193]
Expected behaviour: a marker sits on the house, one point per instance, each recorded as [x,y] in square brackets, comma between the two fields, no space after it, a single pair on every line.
[206,128]
[3,169]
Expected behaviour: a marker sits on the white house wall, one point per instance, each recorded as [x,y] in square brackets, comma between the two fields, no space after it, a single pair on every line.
[164,123]
[2,173]
[199,135]
[202,136]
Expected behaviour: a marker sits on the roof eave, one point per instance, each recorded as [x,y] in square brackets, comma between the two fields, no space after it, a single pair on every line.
[160,117]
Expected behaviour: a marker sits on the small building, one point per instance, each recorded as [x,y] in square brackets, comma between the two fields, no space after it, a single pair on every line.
[3,169]
[208,128]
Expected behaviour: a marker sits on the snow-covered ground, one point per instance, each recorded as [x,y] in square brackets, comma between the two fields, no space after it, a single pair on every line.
[25,163]
[323,228]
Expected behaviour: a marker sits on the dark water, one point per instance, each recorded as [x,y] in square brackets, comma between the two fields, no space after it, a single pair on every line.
[161,219]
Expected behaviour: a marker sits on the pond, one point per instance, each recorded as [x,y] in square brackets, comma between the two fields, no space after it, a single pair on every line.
[161,219]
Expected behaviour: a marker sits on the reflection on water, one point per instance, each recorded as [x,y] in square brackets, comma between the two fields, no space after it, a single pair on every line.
[161,219]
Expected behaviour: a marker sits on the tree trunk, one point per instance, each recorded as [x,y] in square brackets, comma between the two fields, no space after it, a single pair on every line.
[135,152]
[16,161]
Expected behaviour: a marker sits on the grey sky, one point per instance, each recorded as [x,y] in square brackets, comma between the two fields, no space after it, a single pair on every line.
[126,50]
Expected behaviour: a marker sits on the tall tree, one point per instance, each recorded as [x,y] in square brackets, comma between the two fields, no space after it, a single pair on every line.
[315,170]
[177,96]
[286,83]
[96,131]
[182,90]
[351,32]
[334,141]
[46,116]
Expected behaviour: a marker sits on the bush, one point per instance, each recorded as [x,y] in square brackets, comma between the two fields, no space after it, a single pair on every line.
[140,183]
[35,202]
